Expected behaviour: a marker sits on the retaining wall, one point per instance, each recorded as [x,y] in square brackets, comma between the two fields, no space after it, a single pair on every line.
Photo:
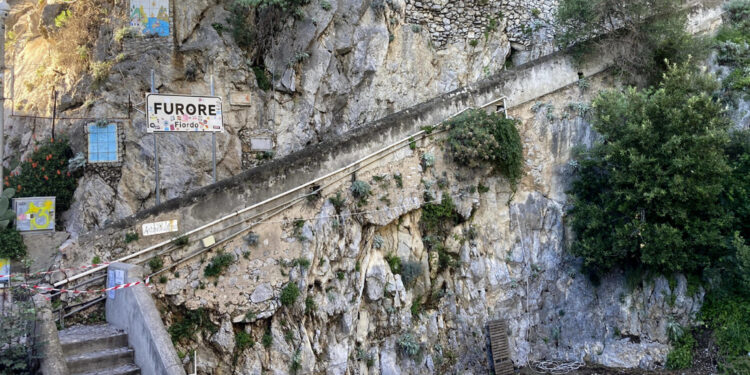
[133,310]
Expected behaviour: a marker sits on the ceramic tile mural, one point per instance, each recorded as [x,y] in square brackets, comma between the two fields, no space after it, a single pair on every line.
[150,16]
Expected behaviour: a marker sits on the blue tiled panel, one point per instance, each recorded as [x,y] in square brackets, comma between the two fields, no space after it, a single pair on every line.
[102,143]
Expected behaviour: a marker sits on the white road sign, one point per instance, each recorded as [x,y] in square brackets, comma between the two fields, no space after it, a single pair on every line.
[159,227]
[182,113]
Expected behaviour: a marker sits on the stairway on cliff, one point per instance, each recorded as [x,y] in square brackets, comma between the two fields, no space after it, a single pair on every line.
[93,350]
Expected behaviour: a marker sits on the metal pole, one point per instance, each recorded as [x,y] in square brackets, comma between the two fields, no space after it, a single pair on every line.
[4,10]
[213,134]
[156,145]
[54,113]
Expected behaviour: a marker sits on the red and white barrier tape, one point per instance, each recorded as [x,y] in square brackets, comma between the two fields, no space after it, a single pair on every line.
[53,271]
[116,287]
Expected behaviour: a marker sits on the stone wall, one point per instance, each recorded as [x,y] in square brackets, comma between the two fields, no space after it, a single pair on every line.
[450,21]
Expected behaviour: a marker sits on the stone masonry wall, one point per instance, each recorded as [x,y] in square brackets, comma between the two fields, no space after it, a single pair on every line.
[449,21]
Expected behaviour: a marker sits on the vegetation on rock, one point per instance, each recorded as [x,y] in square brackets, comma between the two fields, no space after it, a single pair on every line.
[289,294]
[641,34]
[218,264]
[478,138]
[190,323]
[46,174]
[651,192]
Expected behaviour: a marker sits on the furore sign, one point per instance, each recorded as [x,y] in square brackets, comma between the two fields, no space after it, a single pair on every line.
[182,113]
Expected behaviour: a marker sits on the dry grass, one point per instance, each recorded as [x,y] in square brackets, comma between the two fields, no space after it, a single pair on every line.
[88,20]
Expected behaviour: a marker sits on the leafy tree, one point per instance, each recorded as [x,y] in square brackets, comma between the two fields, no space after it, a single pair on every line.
[640,33]
[651,192]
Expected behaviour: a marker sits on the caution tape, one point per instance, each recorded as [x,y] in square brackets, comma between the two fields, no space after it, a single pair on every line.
[54,271]
[74,291]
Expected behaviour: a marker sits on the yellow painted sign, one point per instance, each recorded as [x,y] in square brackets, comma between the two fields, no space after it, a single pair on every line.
[35,214]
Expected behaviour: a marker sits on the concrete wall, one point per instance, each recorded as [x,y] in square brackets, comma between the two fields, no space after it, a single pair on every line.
[133,310]
[45,332]
[521,84]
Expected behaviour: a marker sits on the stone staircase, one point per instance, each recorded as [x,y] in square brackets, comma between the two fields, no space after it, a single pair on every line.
[97,350]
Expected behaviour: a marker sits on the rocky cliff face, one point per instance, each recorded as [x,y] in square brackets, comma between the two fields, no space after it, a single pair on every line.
[333,69]
[356,315]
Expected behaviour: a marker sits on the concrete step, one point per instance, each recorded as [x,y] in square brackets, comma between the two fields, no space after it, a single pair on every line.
[103,361]
[130,369]
[83,339]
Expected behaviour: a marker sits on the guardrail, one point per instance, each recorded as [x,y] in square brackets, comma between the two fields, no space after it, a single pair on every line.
[250,216]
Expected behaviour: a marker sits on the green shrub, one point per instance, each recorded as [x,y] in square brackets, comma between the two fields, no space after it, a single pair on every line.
[45,174]
[416,307]
[15,360]
[219,27]
[399,180]
[361,190]
[310,306]
[155,264]
[656,30]
[6,212]
[474,42]
[428,160]
[410,271]
[729,316]
[304,263]
[243,340]
[181,241]
[296,364]
[439,218]
[125,33]
[267,339]
[340,275]
[131,237]
[289,294]
[681,355]
[408,346]
[652,194]
[394,262]
[17,324]
[297,227]
[261,77]
[325,4]
[11,244]
[477,138]
[287,5]
[100,72]
[240,25]
[191,322]
[252,239]
[62,19]
[218,264]
[338,202]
